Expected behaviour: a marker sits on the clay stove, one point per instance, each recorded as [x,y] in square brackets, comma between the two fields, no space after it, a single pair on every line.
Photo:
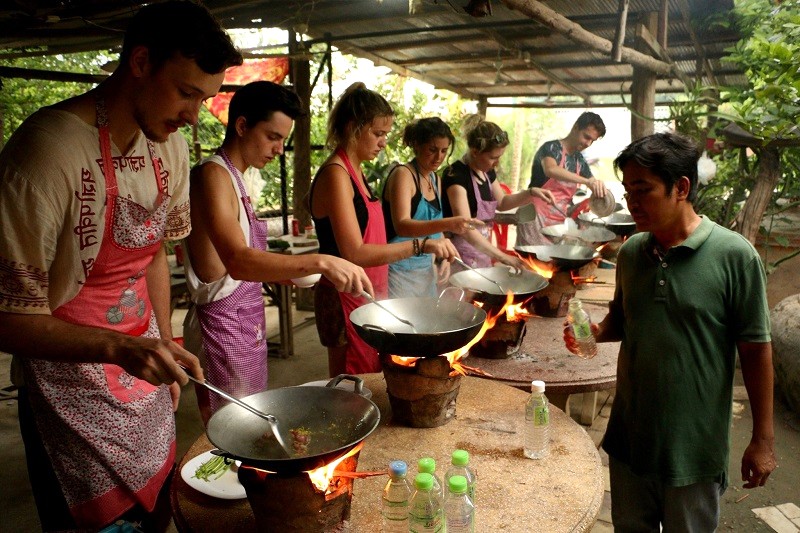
[422,391]
[309,502]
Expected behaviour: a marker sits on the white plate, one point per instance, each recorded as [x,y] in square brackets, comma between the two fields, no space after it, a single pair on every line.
[226,487]
[306,281]
[349,386]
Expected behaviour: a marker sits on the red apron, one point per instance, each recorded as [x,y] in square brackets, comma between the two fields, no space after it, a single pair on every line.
[361,357]
[110,436]
[563,192]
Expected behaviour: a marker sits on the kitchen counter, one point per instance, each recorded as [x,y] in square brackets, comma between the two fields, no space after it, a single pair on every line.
[513,494]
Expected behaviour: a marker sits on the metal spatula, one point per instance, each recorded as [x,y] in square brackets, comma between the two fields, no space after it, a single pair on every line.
[481,274]
[369,297]
[273,422]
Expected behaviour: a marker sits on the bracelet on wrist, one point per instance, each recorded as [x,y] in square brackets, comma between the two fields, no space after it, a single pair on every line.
[415,247]
[422,246]
[530,191]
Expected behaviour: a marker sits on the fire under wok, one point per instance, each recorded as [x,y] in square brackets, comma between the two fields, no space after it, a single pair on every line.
[474,282]
[334,420]
[562,256]
[442,325]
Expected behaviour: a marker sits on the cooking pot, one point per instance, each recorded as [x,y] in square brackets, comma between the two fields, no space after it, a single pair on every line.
[561,256]
[336,421]
[620,223]
[442,325]
[522,285]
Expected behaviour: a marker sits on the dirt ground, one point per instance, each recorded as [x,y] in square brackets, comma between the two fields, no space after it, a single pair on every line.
[737,503]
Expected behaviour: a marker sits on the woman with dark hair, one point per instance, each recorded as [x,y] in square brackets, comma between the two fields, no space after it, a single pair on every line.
[350,224]
[413,207]
[472,191]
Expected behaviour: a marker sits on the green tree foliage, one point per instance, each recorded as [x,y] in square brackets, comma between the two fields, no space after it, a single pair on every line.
[770,104]
[19,98]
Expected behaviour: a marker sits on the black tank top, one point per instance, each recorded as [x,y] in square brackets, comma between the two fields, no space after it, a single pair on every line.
[323,227]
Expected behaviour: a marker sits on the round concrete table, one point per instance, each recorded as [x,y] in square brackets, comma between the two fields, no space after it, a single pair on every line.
[562,492]
[542,355]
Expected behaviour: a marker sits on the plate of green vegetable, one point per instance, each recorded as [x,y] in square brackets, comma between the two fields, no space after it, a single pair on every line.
[211,475]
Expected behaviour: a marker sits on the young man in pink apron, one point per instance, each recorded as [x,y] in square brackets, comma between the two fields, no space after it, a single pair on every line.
[89,190]
[471,190]
[350,224]
[226,259]
[559,167]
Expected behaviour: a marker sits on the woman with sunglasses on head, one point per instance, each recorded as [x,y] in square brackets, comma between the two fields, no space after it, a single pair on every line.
[350,224]
[472,190]
[412,207]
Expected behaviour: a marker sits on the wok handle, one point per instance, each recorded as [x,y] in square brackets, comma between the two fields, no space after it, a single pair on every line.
[452,289]
[229,458]
[358,383]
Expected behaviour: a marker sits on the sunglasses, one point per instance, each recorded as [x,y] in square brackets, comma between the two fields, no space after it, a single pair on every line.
[500,138]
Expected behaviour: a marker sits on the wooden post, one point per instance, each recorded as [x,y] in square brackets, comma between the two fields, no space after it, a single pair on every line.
[483,104]
[301,78]
[643,89]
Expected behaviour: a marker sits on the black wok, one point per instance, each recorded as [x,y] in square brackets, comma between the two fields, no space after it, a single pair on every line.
[336,420]
[562,256]
[620,223]
[477,287]
[442,325]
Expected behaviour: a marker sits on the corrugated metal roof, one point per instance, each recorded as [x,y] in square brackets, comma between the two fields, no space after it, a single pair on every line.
[506,54]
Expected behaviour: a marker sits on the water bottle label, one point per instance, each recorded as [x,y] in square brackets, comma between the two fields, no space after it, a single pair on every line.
[582,330]
[541,416]
[426,524]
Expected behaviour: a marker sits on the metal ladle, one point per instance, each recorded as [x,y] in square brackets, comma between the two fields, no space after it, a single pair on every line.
[481,274]
[369,297]
[273,422]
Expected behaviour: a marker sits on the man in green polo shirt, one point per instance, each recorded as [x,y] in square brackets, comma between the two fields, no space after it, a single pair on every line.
[689,295]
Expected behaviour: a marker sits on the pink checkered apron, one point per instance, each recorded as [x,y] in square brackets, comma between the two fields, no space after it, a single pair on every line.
[110,436]
[485,212]
[234,328]
[362,358]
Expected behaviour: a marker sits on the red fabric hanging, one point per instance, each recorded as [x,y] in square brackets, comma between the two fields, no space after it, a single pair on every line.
[272,69]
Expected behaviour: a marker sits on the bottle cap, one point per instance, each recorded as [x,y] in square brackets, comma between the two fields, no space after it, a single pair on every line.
[460,457]
[427,465]
[423,481]
[537,386]
[458,484]
[575,302]
[398,468]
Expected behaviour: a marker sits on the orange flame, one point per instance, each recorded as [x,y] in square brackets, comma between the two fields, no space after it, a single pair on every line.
[582,279]
[322,476]
[545,270]
[513,313]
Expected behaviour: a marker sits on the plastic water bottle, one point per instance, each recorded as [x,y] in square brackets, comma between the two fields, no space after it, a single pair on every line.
[460,467]
[396,496]
[581,323]
[425,509]
[459,510]
[537,423]
[427,465]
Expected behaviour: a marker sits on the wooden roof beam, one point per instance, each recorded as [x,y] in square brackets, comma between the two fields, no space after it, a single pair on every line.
[538,67]
[398,69]
[574,32]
